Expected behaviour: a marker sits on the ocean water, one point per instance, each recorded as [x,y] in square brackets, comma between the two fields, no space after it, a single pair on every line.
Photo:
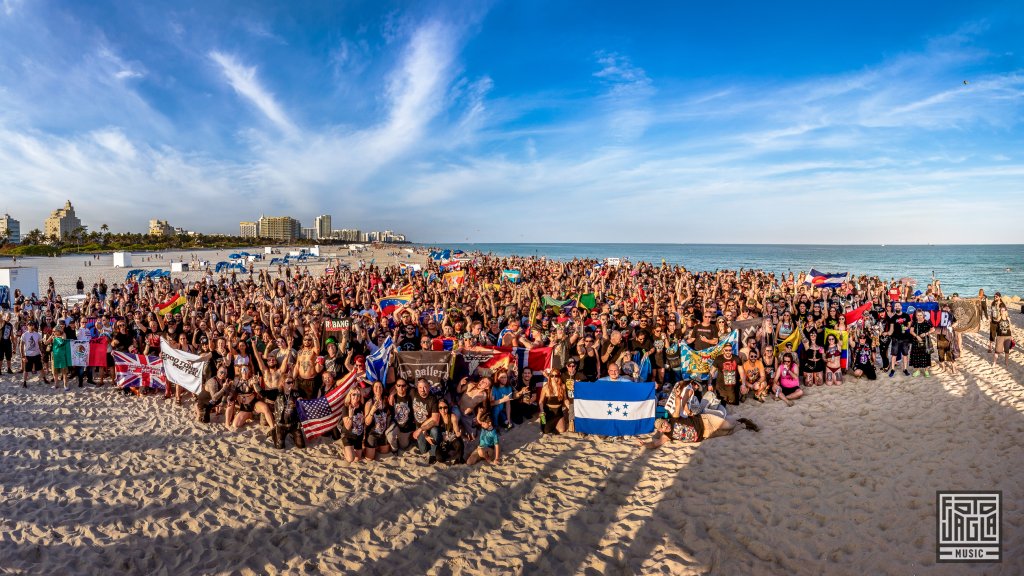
[961,268]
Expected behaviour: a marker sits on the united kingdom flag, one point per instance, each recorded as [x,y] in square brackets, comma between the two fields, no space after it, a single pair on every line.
[137,371]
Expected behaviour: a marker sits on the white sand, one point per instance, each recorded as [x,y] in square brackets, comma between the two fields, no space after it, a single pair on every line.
[844,482]
[66,270]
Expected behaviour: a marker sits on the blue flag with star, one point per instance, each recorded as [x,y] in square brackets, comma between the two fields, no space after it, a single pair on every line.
[614,407]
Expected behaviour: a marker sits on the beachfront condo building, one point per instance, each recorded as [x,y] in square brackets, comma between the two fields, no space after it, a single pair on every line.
[62,222]
[348,235]
[10,229]
[282,228]
[160,228]
[322,225]
[249,230]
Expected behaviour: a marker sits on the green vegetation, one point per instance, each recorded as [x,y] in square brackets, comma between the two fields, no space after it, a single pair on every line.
[80,241]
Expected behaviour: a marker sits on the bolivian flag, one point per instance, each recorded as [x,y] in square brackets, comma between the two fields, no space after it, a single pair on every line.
[172,305]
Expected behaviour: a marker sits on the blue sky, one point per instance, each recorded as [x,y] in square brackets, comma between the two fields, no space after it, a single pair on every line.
[522,121]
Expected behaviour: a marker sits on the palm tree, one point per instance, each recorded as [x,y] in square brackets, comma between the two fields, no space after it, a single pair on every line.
[33,237]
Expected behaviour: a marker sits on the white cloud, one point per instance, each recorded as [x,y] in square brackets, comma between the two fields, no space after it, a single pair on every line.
[9,6]
[243,79]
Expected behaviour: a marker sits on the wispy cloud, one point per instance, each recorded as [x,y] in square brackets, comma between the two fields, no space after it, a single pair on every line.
[393,113]
[243,79]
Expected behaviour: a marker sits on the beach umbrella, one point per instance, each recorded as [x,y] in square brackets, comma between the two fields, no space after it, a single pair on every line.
[908,281]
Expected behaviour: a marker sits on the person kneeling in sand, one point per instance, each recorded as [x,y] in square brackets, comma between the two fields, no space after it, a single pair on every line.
[489,449]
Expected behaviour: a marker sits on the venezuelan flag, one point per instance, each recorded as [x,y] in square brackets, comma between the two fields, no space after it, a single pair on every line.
[389,304]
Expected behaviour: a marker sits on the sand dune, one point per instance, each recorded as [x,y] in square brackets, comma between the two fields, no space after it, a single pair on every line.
[842,483]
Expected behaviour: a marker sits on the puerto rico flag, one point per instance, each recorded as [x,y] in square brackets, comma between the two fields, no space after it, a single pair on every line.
[822,280]
[137,371]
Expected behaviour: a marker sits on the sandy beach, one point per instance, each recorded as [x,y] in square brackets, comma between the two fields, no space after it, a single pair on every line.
[844,482]
[66,270]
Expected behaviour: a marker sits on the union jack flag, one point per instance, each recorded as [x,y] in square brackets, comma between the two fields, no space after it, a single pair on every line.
[136,370]
[320,415]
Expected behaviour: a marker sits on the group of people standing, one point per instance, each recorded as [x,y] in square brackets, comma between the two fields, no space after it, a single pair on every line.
[266,350]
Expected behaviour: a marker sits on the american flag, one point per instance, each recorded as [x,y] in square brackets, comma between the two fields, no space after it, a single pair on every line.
[135,370]
[320,415]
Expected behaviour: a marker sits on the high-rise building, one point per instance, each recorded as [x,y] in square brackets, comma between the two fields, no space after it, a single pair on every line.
[160,228]
[10,228]
[249,230]
[322,225]
[309,233]
[283,228]
[62,222]
[348,235]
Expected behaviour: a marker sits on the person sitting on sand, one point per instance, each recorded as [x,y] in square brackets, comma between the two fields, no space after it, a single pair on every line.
[247,401]
[451,449]
[215,391]
[424,411]
[489,449]
[754,376]
[787,380]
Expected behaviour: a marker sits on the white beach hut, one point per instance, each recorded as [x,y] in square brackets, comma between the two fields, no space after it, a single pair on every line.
[20,278]
[122,259]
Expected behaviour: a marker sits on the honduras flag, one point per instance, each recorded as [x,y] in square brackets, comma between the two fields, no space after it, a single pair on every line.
[377,363]
[822,280]
[614,408]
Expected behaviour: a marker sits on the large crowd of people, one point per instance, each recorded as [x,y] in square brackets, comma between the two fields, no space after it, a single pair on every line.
[263,336]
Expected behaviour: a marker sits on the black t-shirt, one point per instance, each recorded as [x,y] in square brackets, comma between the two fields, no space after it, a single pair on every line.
[922,328]
[1003,328]
[358,423]
[121,342]
[423,408]
[862,355]
[901,322]
[701,331]
[616,351]
[403,413]
[727,371]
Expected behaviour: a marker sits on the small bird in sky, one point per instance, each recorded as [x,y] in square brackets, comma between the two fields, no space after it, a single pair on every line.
[966,82]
